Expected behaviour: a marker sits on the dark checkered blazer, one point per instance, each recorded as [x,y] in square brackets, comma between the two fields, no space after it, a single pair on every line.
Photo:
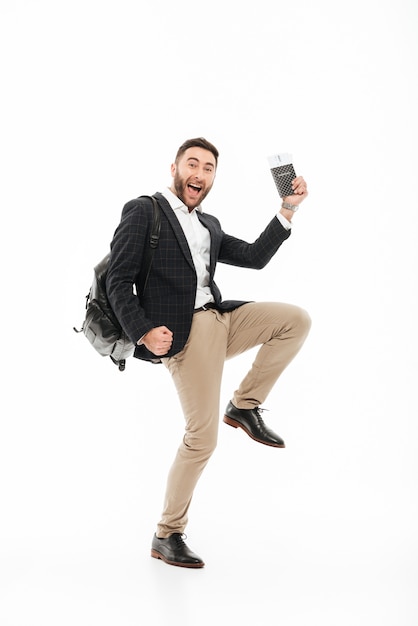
[169,297]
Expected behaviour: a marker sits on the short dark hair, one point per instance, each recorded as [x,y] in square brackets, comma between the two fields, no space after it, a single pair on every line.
[198,142]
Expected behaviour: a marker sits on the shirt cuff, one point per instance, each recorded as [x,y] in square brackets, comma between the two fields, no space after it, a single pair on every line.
[283,221]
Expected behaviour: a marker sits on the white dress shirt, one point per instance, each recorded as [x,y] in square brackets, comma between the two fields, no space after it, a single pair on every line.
[198,238]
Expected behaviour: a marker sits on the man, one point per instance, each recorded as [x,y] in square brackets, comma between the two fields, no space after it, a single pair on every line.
[183,322]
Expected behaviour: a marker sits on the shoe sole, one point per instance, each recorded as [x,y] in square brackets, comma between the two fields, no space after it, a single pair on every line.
[234,424]
[158,555]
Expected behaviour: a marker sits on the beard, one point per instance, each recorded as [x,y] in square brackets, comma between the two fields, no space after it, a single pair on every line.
[180,185]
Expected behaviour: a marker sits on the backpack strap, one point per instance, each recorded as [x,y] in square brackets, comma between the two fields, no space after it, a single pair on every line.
[149,251]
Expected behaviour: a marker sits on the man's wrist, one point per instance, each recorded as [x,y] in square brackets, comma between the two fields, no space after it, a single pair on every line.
[288,209]
[289,206]
[140,341]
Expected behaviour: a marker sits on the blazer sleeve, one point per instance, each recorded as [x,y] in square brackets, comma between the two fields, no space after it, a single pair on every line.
[254,255]
[127,251]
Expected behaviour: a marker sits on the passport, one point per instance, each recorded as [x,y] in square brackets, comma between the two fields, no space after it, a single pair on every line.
[283,172]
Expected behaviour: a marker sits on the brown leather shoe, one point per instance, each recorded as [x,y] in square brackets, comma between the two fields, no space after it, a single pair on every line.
[174,551]
[252,423]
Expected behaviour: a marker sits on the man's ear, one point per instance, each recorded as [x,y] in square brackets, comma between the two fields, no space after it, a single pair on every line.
[173,169]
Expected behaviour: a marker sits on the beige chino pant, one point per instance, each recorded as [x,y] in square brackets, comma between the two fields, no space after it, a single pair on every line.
[280,330]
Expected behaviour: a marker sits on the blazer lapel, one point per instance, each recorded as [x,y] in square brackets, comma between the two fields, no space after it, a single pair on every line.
[177,229]
[214,240]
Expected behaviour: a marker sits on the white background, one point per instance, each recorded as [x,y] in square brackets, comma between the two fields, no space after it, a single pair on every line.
[96,98]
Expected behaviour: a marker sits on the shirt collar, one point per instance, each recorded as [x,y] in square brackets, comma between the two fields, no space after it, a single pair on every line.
[176,203]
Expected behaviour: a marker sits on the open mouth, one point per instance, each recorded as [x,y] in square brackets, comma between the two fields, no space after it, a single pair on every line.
[194,189]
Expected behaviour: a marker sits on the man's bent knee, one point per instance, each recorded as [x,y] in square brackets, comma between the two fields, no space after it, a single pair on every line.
[304,321]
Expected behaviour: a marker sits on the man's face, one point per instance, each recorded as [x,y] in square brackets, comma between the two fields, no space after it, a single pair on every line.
[193,176]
